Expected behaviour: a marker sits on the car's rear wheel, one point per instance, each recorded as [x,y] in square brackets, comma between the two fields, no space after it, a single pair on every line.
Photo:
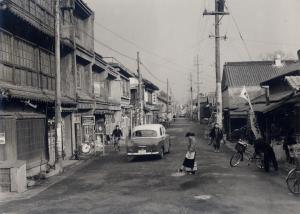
[161,153]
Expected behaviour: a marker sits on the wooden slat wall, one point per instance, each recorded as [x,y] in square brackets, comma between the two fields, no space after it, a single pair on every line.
[8,151]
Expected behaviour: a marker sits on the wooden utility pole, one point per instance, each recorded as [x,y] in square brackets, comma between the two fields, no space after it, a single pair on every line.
[140,92]
[198,88]
[219,10]
[167,97]
[191,89]
[58,143]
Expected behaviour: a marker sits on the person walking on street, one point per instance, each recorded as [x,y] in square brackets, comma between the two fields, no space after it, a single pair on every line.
[216,135]
[189,164]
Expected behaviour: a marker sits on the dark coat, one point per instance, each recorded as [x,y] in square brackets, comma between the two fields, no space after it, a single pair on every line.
[216,133]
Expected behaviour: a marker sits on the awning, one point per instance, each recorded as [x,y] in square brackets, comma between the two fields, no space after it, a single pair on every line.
[38,96]
[84,97]
[98,111]
[35,96]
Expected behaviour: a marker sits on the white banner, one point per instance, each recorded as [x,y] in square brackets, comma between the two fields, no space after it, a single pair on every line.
[253,122]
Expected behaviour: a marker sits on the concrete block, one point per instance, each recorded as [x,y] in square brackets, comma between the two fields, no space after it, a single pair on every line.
[18,177]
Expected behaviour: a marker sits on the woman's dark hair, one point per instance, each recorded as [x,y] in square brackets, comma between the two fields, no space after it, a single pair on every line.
[189,134]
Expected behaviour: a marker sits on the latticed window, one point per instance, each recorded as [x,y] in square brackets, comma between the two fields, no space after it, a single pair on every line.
[24,54]
[6,73]
[45,63]
[31,140]
[5,47]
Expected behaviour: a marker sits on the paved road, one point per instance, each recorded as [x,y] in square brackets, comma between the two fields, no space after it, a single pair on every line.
[112,185]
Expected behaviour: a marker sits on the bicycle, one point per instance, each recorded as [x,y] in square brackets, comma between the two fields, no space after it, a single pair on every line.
[293,177]
[116,141]
[242,149]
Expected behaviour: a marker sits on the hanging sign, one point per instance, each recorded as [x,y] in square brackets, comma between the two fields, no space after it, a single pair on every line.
[88,120]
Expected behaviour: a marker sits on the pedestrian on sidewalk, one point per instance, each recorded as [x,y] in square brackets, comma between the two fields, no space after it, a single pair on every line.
[189,164]
[216,135]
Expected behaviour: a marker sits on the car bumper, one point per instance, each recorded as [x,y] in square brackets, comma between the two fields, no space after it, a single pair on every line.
[140,154]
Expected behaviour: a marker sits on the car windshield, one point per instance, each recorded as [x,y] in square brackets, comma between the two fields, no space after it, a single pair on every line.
[145,133]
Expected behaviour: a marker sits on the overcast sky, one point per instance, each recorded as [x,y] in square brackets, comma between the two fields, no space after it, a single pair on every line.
[170,33]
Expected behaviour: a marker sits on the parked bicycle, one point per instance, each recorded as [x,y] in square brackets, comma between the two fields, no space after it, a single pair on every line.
[242,151]
[293,177]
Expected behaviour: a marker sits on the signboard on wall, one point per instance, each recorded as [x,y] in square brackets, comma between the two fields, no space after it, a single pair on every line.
[2,138]
[88,120]
[97,89]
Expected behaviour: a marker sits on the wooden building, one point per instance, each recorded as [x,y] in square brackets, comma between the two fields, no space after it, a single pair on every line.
[250,74]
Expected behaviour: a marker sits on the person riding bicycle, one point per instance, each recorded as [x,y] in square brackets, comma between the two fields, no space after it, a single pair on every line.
[117,134]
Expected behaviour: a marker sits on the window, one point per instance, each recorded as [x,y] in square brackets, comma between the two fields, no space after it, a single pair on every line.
[31,141]
[45,63]
[145,133]
[5,47]
[80,70]
[24,54]
[6,73]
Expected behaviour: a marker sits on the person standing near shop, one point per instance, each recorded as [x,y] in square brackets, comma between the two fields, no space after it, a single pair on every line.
[216,135]
[288,141]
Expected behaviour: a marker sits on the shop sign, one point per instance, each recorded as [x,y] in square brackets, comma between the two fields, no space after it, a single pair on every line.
[88,120]
[2,138]
[76,118]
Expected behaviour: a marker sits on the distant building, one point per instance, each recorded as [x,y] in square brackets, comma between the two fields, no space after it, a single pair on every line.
[150,110]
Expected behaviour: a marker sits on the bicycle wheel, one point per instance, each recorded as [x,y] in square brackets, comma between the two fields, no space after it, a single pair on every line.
[293,181]
[235,159]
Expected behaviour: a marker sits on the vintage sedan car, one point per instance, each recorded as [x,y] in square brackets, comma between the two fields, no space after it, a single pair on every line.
[150,139]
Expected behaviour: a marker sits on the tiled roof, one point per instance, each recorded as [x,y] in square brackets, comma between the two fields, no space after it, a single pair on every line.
[293,81]
[254,72]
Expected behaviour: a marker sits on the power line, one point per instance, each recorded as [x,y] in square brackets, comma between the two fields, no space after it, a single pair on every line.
[240,33]
[140,47]
[148,70]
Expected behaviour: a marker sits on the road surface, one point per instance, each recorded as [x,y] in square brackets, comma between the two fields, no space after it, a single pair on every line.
[112,185]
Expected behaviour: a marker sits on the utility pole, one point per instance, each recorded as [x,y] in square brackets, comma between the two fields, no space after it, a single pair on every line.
[219,11]
[198,88]
[140,91]
[191,82]
[167,97]
[58,143]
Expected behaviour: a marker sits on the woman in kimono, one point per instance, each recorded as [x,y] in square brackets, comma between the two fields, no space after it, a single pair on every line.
[189,164]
